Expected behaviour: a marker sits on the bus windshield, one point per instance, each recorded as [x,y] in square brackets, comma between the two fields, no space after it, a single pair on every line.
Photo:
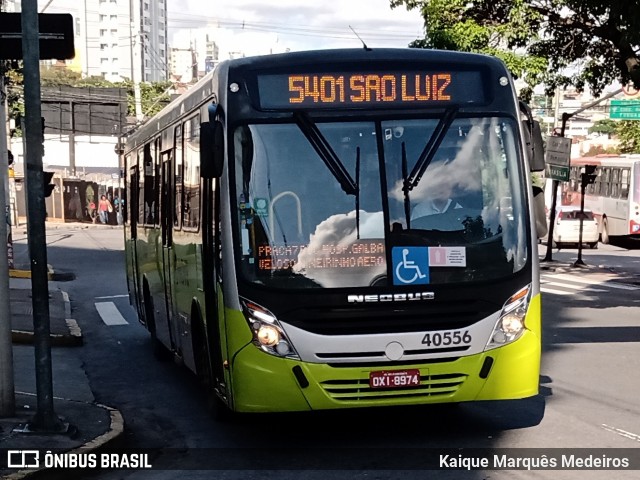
[344,214]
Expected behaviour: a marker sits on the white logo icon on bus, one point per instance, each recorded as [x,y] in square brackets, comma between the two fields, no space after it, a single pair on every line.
[411,265]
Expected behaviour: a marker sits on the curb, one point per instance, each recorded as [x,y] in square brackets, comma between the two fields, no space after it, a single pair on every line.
[51,274]
[73,339]
[116,428]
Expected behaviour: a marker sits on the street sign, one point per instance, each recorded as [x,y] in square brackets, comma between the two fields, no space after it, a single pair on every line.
[625,109]
[557,158]
[630,91]
[559,144]
[55,34]
[557,172]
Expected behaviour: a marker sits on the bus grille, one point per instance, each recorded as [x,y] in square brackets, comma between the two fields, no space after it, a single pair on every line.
[358,320]
[359,389]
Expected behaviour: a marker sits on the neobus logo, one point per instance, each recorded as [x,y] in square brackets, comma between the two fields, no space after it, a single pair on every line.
[391,297]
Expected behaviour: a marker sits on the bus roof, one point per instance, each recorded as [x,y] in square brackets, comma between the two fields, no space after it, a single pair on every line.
[349,55]
[607,160]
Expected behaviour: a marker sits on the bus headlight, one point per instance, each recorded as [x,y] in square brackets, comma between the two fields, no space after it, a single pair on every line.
[510,325]
[268,334]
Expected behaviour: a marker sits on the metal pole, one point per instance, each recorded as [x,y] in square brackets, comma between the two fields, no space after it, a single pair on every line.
[579,262]
[136,62]
[7,394]
[554,200]
[72,140]
[552,219]
[45,419]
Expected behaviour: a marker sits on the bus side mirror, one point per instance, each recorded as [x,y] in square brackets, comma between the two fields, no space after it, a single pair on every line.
[211,149]
[534,145]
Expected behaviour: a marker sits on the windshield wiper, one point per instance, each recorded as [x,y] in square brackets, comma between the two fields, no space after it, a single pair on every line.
[430,150]
[405,189]
[326,153]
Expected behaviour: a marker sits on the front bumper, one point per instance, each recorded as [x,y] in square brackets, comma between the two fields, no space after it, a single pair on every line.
[265,383]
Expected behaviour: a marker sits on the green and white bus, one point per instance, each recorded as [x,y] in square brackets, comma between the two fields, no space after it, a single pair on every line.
[342,228]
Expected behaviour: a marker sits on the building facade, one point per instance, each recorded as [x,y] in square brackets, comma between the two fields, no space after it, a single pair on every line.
[115,39]
[182,64]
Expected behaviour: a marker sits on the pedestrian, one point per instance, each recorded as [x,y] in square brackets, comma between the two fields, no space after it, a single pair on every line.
[92,211]
[104,208]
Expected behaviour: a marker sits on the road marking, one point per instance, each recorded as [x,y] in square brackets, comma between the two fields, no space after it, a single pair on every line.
[622,286]
[565,285]
[112,296]
[621,432]
[556,292]
[110,314]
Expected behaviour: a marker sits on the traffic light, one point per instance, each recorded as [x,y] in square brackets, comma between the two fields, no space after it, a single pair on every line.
[47,186]
[589,175]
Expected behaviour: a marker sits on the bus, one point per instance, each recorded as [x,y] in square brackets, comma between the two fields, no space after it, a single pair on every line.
[274,244]
[614,197]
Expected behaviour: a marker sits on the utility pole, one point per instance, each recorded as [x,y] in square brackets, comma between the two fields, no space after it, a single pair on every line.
[136,62]
[72,139]
[45,419]
[7,394]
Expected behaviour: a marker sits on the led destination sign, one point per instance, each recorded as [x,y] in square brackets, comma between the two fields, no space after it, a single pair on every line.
[349,90]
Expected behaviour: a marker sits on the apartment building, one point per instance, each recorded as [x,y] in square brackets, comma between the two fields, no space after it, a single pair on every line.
[114,36]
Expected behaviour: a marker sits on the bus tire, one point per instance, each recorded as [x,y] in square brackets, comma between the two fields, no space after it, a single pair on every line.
[593,245]
[215,405]
[604,236]
[159,350]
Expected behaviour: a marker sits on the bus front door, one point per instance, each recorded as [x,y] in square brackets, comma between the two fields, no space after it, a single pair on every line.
[166,216]
[135,293]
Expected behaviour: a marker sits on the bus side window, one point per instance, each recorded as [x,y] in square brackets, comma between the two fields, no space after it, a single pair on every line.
[191,208]
[624,183]
[141,188]
[615,182]
[177,179]
[150,199]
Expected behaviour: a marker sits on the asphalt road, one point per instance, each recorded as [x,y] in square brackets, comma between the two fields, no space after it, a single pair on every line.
[588,397]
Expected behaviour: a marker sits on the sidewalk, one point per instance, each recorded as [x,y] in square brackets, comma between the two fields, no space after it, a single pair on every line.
[90,425]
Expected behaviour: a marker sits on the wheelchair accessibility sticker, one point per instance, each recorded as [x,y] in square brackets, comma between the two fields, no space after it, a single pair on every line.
[410,265]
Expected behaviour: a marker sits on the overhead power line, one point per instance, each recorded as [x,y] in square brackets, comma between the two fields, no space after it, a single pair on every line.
[183,20]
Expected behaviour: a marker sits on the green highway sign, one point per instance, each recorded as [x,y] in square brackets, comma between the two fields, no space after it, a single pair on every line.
[625,109]
[557,172]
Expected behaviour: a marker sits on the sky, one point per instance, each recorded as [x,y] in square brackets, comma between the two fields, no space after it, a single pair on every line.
[257,27]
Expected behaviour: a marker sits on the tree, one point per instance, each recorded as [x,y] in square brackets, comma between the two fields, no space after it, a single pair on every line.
[604,127]
[15,101]
[57,77]
[155,96]
[556,42]
[629,135]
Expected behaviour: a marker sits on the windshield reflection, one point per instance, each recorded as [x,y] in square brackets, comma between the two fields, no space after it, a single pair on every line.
[313,216]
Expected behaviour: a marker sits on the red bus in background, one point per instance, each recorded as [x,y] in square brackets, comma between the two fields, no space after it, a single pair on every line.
[614,198]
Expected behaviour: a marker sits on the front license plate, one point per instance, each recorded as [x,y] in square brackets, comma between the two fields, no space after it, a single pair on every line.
[394,378]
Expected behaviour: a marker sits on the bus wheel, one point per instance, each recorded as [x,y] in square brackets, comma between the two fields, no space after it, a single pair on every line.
[159,350]
[604,236]
[593,245]
[204,371]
